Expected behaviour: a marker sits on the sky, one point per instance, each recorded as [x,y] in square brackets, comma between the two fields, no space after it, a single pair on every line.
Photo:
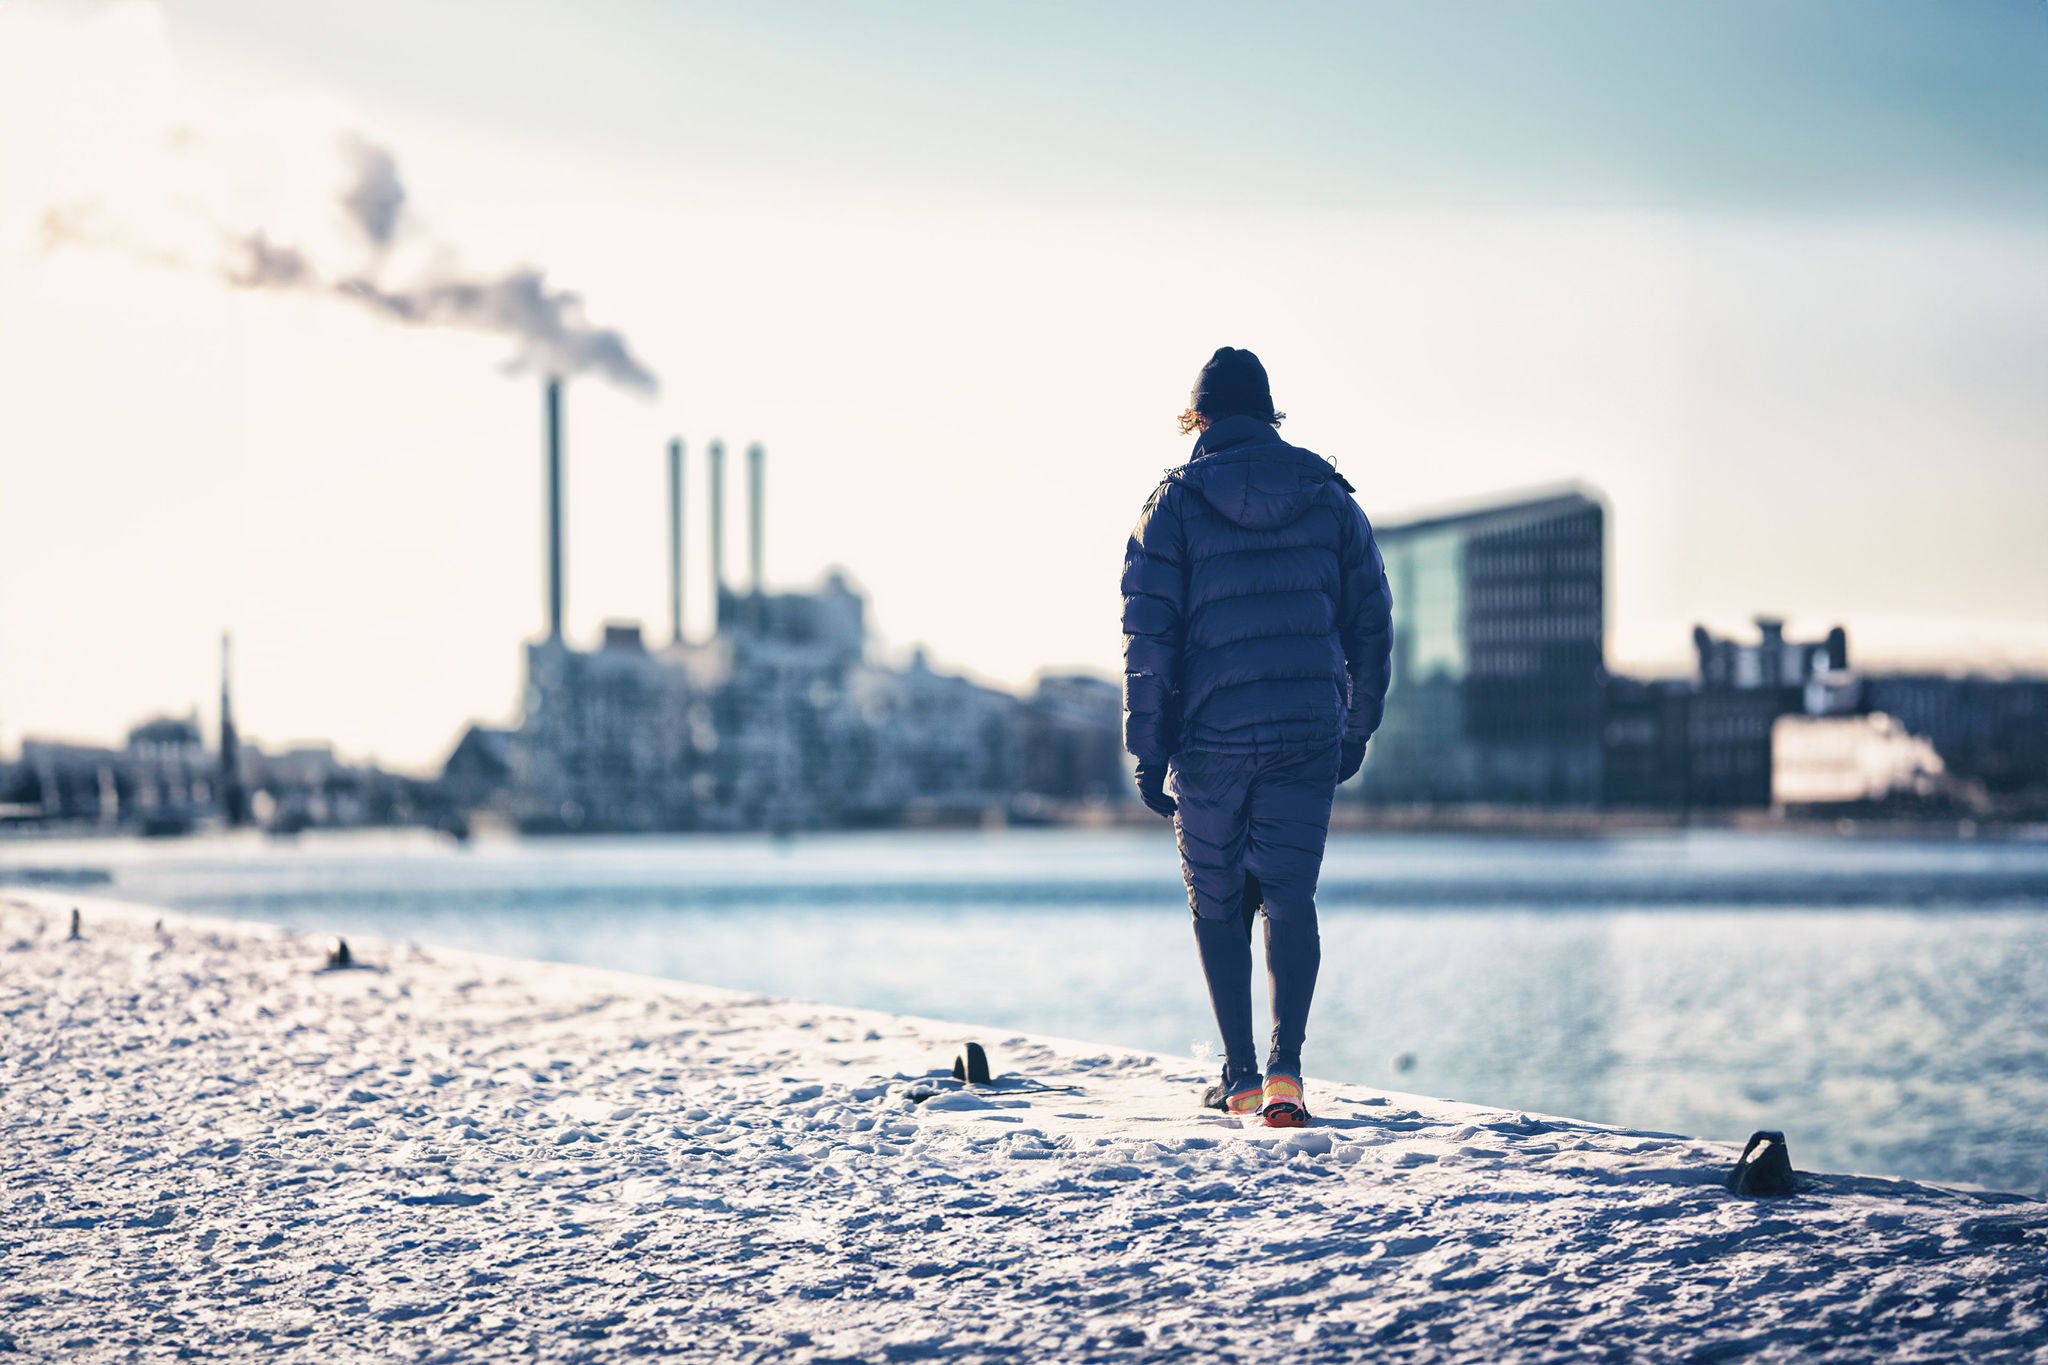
[1773,279]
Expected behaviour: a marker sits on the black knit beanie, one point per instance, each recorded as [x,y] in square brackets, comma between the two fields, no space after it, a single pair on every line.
[1233,382]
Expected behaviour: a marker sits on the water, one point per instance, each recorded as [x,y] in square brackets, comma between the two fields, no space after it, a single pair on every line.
[1882,1001]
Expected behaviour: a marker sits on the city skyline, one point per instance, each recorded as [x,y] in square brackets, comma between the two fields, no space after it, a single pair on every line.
[1807,394]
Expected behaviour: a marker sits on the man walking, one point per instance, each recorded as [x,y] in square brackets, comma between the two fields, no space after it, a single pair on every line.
[1257,638]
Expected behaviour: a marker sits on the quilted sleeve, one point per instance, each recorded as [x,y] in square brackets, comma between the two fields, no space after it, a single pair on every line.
[1365,621]
[1155,613]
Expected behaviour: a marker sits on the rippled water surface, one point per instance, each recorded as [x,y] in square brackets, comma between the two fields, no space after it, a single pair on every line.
[1881,1001]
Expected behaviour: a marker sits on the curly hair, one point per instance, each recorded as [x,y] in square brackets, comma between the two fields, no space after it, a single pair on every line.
[1192,421]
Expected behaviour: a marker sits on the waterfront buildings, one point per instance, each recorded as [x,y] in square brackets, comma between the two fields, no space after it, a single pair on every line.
[1671,744]
[1498,670]
[1706,742]
[785,719]
[1773,663]
[165,780]
[1846,763]
[1989,731]
[159,781]
[1501,695]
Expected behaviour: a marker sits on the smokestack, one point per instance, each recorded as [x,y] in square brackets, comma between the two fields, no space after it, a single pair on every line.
[233,805]
[675,540]
[716,453]
[554,455]
[755,457]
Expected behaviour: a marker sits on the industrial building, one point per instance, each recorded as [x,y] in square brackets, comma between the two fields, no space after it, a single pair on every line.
[779,720]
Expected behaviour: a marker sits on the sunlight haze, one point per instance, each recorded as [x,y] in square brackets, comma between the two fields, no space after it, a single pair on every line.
[956,269]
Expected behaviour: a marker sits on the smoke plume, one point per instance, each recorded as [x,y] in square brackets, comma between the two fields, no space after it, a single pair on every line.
[256,262]
[376,197]
[546,324]
[245,197]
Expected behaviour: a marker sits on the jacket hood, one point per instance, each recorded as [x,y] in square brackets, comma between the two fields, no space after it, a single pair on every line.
[1252,477]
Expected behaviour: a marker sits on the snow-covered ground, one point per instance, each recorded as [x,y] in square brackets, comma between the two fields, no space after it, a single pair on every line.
[210,1147]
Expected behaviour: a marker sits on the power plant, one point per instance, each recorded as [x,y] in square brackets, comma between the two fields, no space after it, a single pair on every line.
[779,720]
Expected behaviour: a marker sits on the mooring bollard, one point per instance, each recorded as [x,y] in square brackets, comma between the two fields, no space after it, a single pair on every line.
[1765,1170]
[971,1065]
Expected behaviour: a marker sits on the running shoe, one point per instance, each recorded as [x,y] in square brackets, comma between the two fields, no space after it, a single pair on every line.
[1239,1095]
[1282,1103]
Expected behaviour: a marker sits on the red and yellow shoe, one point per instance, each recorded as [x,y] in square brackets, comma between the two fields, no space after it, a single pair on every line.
[1282,1102]
[1241,1097]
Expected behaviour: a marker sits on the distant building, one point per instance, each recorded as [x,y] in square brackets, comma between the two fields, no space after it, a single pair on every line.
[168,777]
[60,782]
[158,782]
[161,781]
[1498,667]
[1645,757]
[479,767]
[787,737]
[309,786]
[606,738]
[1993,731]
[1851,762]
[1070,740]
[942,746]
[164,780]
[1706,743]
[1728,747]
[1671,745]
[1773,661]
[778,721]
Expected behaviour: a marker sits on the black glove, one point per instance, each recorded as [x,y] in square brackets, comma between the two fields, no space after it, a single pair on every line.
[1349,758]
[1152,790]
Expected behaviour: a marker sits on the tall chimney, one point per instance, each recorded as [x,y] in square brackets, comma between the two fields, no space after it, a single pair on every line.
[755,457]
[715,452]
[233,804]
[554,453]
[675,540]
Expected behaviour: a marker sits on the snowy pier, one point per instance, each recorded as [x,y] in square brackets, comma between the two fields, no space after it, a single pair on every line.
[210,1147]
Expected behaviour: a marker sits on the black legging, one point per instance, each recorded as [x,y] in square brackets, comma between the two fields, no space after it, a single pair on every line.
[1252,829]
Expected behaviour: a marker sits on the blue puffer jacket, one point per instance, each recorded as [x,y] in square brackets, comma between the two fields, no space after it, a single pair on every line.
[1256,610]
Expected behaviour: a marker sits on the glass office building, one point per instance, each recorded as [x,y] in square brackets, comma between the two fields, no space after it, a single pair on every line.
[1499,671]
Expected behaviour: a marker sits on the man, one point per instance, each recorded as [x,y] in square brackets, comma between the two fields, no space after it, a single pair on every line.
[1257,637]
